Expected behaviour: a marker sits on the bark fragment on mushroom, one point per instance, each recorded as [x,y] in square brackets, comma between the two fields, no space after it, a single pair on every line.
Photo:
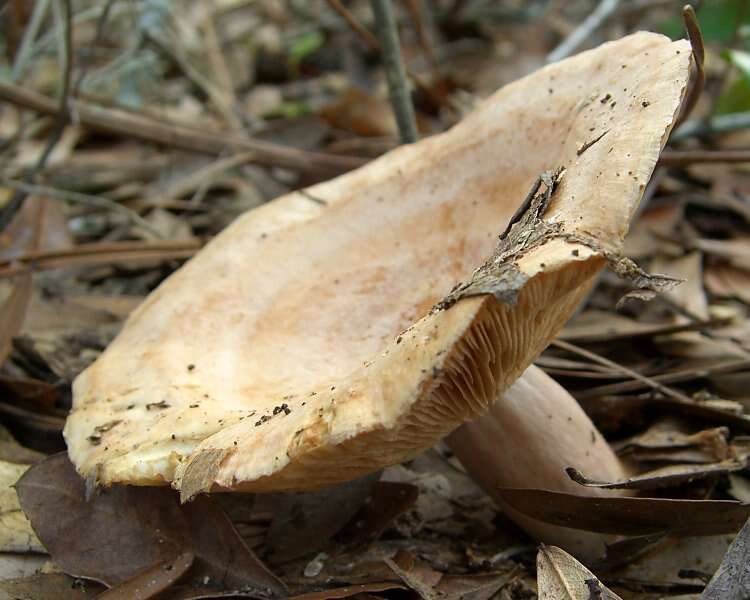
[314,342]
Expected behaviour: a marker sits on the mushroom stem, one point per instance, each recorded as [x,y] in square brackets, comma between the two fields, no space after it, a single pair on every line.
[526,439]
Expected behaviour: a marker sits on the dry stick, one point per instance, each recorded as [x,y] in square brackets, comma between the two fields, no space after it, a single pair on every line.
[394,70]
[142,127]
[688,157]
[590,24]
[699,55]
[623,369]
[63,116]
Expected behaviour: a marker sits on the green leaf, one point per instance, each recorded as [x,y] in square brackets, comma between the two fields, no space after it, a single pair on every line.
[736,96]
[740,60]
[305,45]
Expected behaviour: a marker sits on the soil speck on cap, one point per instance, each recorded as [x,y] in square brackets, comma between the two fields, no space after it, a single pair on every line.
[157,405]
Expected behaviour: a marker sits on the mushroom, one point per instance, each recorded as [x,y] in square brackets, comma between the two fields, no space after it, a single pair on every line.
[527,439]
[323,335]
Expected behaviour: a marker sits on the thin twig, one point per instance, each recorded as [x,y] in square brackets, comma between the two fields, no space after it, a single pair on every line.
[579,35]
[79,198]
[394,70]
[63,113]
[592,356]
[370,40]
[27,43]
[699,56]
[679,158]
[418,12]
[161,131]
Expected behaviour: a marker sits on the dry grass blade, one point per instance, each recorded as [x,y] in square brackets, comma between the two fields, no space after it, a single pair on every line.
[101,253]
[625,370]
[662,378]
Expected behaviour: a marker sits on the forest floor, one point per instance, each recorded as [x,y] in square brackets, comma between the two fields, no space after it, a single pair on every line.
[131,133]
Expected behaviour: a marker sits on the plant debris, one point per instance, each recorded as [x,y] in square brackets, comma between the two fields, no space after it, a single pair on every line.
[133,133]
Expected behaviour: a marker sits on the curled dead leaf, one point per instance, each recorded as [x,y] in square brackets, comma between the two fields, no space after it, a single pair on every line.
[562,577]
[630,515]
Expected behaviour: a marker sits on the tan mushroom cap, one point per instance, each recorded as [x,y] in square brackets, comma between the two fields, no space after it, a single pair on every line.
[300,347]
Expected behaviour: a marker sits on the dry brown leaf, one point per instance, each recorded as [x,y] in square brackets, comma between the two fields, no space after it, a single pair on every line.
[152,581]
[348,591]
[39,225]
[654,224]
[670,561]
[387,500]
[13,312]
[629,516]
[304,522]
[690,295]
[562,577]
[361,113]
[671,433]
[727,281]
[736,251]
[13,452]
[122,531]
[48,586]
[598,326]
[20,566]
[16,534]
[416,575]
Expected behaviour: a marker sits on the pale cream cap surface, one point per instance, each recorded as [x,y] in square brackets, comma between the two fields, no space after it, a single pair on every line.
[299,348]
